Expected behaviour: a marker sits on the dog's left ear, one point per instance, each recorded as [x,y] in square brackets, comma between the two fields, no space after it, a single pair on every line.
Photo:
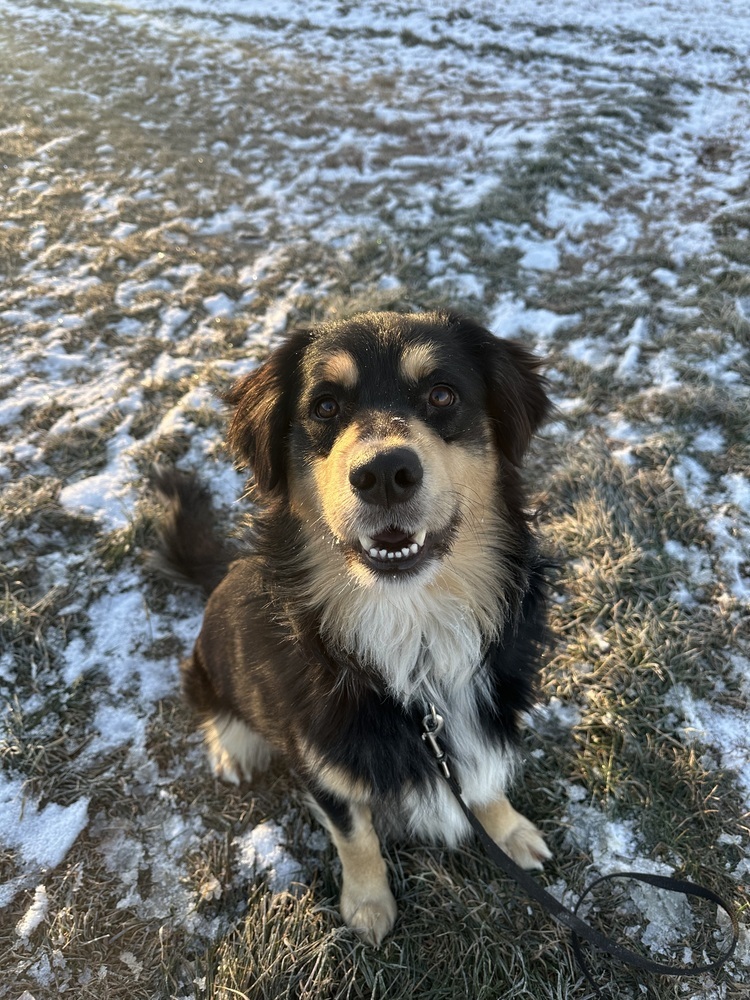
[517,400]
[264,405]
[517,396]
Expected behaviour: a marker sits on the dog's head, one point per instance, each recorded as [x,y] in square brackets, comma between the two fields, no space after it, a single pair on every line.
[389,435]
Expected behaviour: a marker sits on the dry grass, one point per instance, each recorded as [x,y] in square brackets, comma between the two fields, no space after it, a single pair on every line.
[149,901]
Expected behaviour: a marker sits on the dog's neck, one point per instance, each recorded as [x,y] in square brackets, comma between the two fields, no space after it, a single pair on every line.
[427,636]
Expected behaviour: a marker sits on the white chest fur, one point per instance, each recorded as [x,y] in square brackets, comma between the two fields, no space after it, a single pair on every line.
[484,769]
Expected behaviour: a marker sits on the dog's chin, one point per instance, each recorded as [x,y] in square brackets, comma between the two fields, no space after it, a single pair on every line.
[395,552]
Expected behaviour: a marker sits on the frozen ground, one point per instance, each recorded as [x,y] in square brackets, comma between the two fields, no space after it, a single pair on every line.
[179,184]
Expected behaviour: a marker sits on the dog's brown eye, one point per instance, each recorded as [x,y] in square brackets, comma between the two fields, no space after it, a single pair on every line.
[326,408]
[441,395]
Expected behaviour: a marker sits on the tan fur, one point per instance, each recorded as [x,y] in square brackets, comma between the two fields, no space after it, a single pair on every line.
[367,903]
[340,368]
[517,835]
[333,497]
[424,629]
[334,779]
[455,479]
[417,361]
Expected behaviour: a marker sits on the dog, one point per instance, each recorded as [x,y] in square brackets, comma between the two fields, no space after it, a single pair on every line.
[391,570]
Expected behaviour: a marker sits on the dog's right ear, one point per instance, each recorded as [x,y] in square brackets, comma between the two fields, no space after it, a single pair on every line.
[264,406]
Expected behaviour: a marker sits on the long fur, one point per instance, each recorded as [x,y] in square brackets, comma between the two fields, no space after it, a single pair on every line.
[391,566]
[189,548]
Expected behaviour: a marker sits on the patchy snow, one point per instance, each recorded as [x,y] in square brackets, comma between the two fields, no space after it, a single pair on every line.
[693,478]
[711,439]
[661,919]
[737,487]
[262,849]
[541,257]
[222,211]
[512,318]
[723,728]
[610,844]
[35,914]
[42,835]
[219,306]
[108,496]
[592,352]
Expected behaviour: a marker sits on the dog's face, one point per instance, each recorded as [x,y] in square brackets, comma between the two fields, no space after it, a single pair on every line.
[389,434]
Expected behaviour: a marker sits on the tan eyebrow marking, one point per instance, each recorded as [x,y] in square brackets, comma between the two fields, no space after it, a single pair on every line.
[417,361]
[340,368]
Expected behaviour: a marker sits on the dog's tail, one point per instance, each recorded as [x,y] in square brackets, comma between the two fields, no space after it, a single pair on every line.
[189,547]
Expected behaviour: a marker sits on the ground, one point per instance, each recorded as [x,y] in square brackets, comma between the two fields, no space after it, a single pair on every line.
[181,183]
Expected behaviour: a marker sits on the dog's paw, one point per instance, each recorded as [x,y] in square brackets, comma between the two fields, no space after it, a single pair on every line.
[224,766]
[234,749]
[372,917]
[524,843]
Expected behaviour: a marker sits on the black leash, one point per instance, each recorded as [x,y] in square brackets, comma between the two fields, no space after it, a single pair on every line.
[432,724]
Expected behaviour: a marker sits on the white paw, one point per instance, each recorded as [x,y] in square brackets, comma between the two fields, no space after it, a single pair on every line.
[225,767]
[234,749]
[525,844]
[372,917]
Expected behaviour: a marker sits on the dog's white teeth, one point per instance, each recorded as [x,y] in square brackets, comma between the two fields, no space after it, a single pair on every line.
[405,552]
[420,537]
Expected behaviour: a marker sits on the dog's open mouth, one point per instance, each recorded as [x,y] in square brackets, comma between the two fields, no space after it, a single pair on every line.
[393,549]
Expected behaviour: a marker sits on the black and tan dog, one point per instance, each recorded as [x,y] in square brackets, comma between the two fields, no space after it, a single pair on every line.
[391,567]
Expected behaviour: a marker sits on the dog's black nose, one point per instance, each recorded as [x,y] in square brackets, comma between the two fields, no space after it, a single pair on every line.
[389,478]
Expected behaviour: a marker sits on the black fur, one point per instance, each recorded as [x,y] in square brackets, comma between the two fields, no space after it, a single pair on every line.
[261,656]
[189,547]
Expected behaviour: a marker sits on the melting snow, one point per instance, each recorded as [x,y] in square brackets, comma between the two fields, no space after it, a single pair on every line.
[45,368]
[35,914]
[42,835]
[260,849]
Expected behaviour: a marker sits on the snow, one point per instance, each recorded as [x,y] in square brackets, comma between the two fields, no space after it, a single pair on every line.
[590,351]
[511,318]
[35,914]
[219,306]
[693,478]
[542,257]
[261,849]
[270,184]
[108,496]
[661,918]
[738,489]
[116,726]
[711,439]
[42,835]
[723,728]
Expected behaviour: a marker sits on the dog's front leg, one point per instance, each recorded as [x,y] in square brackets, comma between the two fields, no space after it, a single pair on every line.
[367,903]
[517,836]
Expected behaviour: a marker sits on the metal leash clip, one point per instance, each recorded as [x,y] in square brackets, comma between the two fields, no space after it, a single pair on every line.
[432,725]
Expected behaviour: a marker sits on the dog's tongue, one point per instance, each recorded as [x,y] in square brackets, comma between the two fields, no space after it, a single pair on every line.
[391,536]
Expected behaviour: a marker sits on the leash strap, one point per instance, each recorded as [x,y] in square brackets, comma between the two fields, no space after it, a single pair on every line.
[432,724]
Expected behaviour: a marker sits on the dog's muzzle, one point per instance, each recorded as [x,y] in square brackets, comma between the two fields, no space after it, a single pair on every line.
[386,482]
